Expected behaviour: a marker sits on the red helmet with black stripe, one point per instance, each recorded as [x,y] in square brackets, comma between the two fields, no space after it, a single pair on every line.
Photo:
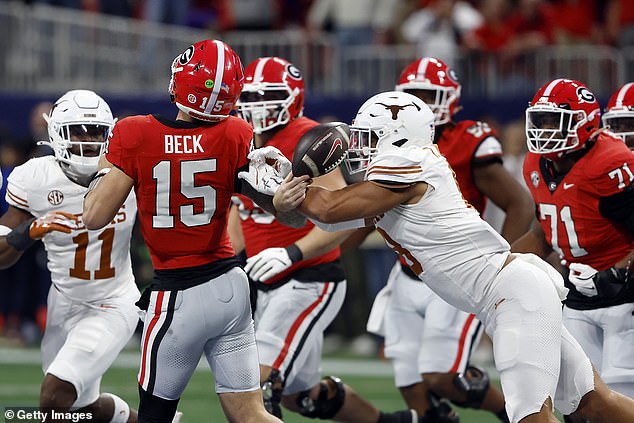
[562,117]
[619,115]
[273,93]
[206,80]
[435,83]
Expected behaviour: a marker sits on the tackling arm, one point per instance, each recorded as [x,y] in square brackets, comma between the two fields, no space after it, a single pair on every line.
[358,201]
[494,181]
[102,202]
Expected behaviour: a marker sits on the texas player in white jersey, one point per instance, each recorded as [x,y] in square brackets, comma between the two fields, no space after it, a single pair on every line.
[411,196]
[91,311]
[428,341]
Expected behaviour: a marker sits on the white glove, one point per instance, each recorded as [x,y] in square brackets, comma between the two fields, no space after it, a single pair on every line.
[268,263]
[582,277]
[273,157]
[267,169]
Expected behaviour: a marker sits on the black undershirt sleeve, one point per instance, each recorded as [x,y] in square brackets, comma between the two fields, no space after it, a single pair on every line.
[619,208]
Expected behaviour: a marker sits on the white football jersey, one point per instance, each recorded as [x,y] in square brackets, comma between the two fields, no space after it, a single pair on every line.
[85,265]
[441,237]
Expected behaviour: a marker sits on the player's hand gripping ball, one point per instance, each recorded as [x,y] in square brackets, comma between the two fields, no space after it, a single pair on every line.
[321,149]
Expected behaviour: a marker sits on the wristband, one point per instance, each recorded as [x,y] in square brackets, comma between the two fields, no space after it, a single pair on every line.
[294,253]
[19,238]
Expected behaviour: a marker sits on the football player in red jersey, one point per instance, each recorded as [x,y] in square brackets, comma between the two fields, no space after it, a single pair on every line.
[581,178]
[299,280]
[436,358]
[619,115]
[184,172]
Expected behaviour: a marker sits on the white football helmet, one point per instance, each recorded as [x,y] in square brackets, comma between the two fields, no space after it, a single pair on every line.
[388,121]
[78,128]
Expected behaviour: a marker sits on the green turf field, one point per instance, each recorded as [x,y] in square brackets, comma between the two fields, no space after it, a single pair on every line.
[20,385]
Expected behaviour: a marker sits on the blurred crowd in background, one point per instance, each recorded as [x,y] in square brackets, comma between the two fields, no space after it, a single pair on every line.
[505,26]
[440,28]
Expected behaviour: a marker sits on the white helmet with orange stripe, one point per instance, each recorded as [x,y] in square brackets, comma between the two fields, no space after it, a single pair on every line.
[388,121]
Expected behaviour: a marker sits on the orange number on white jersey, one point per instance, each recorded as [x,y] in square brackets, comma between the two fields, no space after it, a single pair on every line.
[105,270]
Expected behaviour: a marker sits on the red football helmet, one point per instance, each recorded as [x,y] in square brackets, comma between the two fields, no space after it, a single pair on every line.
[206,80]
[439,80]
[273,93]
[563,115]
[619,115]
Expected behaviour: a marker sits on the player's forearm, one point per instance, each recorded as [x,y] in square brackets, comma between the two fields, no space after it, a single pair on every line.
[517,221]
[318,242]
[97,212]
[289,218]
[531,243]
[8,255]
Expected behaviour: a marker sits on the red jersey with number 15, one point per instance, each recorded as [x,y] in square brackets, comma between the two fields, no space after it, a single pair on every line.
[184,175]
[568,205]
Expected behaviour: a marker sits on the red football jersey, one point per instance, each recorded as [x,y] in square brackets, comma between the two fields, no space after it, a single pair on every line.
[260,229]
[184,175]
[568,205]
[460,144]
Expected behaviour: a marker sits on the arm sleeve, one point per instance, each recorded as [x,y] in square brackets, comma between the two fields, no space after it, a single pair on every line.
[619,208]
[341,226]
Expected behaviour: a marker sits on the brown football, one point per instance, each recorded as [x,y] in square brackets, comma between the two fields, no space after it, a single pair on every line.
[321,149]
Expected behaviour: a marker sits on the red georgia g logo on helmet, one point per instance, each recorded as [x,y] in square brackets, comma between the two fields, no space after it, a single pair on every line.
[585,96]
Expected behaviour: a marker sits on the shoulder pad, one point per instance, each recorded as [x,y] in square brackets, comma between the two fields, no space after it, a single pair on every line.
[404,166]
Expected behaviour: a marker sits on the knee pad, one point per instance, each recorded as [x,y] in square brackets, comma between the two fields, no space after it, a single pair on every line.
[325,406]
[474,382]
[153,409]
[272,389]
[440,411]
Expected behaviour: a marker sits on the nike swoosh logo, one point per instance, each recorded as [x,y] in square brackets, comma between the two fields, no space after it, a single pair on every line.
[566,186]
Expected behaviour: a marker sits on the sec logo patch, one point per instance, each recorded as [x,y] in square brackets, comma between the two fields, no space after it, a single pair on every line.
[55,197]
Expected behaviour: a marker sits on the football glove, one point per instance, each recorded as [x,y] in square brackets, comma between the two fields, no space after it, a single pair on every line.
[26,233]
[582,277]
[268,263]
[51,222]
[267,169]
